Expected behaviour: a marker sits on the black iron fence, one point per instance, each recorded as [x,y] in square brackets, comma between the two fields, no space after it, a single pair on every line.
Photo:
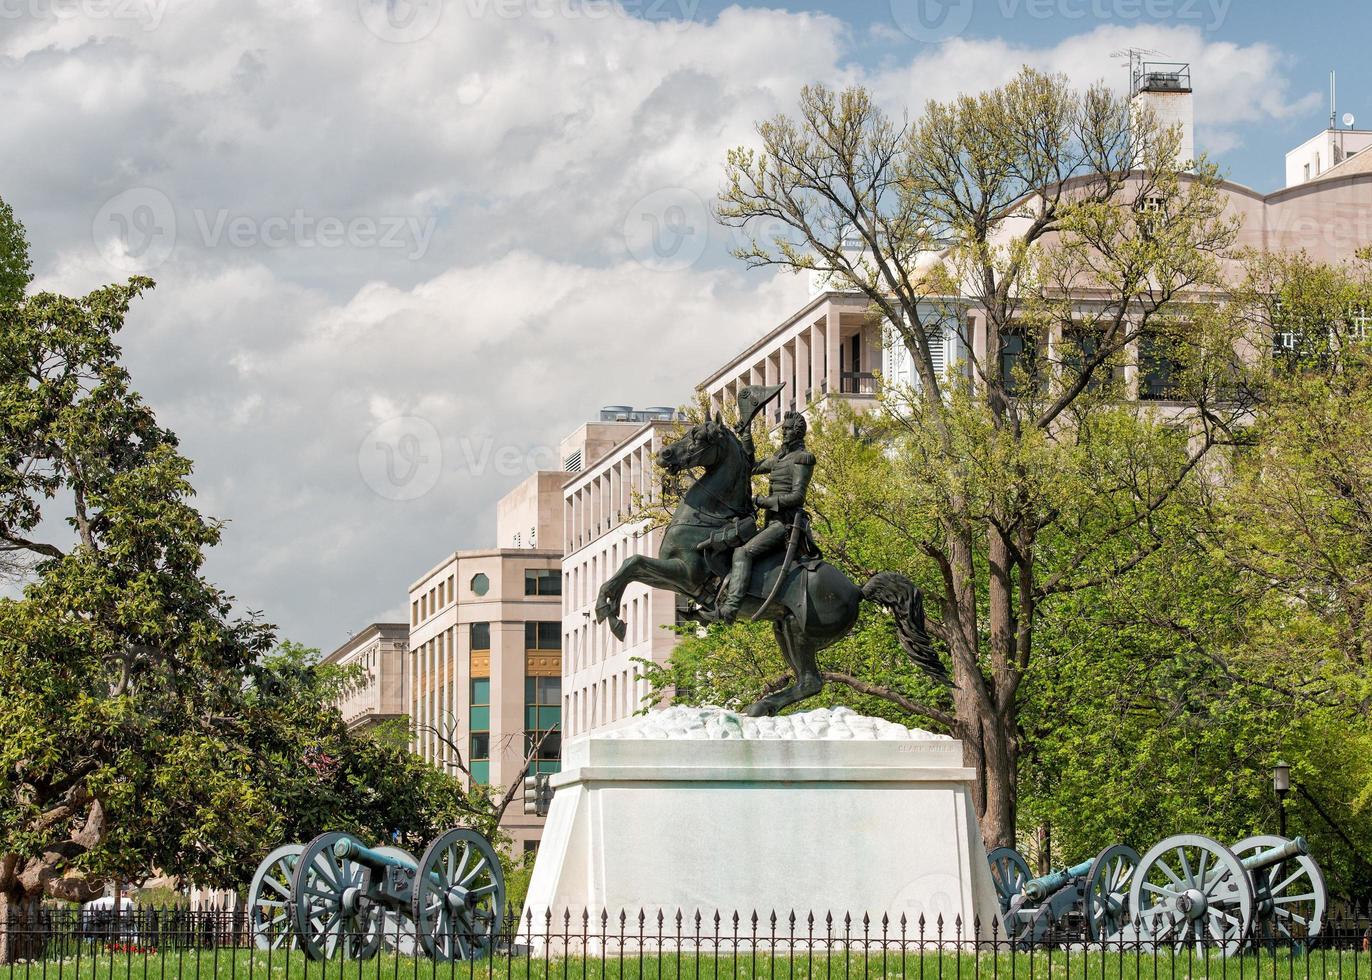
[648,945]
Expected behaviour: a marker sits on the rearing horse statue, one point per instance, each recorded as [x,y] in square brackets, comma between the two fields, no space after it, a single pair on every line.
[812,607]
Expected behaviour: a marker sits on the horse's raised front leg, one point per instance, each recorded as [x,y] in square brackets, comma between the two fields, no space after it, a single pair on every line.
[656,572]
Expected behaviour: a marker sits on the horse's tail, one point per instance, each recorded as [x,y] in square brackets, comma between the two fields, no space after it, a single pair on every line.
[906,603]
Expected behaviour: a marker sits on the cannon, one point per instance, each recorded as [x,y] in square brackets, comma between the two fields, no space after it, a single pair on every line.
[335,896]
[1089,900]
[1190,890]
[269,898]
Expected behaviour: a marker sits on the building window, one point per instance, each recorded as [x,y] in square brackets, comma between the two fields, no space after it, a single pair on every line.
[543,636]
[542,581]
[480,635]
[543,723]
[1159,370]
[480,584]
[1018,361]
[480,726]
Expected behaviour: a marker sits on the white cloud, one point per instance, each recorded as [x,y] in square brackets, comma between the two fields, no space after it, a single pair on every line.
[527,144]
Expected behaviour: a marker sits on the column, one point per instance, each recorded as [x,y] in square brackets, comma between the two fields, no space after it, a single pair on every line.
[832,330]
[788,370]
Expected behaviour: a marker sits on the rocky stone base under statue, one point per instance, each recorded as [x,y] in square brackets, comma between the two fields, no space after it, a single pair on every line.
[701,809]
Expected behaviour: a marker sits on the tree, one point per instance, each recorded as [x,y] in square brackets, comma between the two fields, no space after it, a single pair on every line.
[308,773]
[145,726]
[1062,222]
[16,270]
[120,666]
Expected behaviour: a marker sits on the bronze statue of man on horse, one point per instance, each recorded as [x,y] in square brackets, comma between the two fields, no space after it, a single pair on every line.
[715,554]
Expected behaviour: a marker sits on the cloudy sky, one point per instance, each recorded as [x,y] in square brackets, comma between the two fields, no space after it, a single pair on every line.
[403,246]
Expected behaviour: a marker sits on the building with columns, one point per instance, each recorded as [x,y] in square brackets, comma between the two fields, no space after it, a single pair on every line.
[602,525]
[382,692]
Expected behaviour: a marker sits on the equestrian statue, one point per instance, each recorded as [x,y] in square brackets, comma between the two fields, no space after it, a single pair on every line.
[715,554]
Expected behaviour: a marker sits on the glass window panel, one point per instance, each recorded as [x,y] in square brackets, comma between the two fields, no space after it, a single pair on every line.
[530,636]
[550,636]
[480,583]
[481,719]
[481,745]
[481,690]
[549,717]
[481,772]
[549,690]
[480,635]
[530,717]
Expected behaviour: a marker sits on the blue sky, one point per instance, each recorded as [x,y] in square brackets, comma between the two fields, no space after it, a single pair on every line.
[1313,37]
[432,227]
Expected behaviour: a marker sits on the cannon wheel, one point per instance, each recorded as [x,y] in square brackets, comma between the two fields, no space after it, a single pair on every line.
[459,895]
[394,927]
[1107,891]
[1009,872]
[1190,890]
[326,901]
[1290,897]
[269,898]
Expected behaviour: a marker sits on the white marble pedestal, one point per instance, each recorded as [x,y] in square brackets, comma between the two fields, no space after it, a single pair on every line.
[823,812]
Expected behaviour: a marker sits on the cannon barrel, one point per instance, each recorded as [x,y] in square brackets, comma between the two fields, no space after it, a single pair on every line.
[1265,859]
[1038,889]
[351,850]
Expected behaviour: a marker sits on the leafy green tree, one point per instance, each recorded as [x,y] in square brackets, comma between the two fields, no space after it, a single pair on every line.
[120,667]
[16,270]
[145,727]
[1026,476]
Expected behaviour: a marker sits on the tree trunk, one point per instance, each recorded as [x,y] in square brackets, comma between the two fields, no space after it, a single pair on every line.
[998,777]
[18,916]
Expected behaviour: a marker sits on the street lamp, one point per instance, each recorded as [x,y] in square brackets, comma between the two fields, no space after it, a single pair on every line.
[1281,782]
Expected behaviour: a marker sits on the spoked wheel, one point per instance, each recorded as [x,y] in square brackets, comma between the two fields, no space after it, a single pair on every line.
[1190,890]
[1107,891]
[394,928]
[331,913]
[269,898]
[1009,872]
[459,894]
[1289,897]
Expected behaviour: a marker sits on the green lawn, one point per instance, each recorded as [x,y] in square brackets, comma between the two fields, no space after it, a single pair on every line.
[228,964]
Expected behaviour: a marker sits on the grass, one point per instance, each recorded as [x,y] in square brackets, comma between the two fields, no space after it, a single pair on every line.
[246,964]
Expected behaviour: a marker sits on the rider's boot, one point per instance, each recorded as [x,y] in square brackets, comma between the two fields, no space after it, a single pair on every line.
[739,574]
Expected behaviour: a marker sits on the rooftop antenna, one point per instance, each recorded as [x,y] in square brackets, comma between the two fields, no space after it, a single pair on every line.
[1333,113]
[1133,57]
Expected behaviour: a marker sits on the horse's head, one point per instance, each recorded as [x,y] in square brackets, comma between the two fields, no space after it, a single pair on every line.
[703,444]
